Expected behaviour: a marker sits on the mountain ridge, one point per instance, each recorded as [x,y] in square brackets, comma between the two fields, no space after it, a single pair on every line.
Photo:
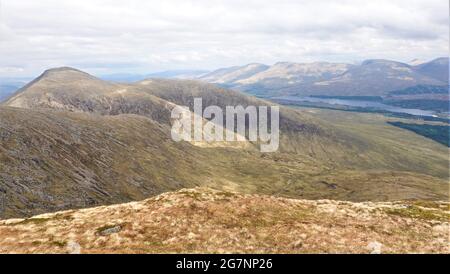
[324,78]
[290,78]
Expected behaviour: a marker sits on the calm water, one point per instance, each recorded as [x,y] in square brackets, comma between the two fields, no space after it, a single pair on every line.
[358,103]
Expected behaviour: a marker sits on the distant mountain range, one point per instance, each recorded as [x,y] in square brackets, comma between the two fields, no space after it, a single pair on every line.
[370,78]
[375,77]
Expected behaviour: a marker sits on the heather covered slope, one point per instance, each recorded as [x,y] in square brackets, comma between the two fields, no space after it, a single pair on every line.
[307,135]
[76,91]
[69,140]
[202,220]
[54,160]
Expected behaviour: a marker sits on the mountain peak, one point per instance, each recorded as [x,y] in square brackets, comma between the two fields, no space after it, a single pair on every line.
[255,65]
[381,62]
[440,60]
[62,82]
[62,70]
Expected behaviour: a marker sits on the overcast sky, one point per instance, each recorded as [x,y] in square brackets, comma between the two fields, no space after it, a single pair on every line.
[142,36]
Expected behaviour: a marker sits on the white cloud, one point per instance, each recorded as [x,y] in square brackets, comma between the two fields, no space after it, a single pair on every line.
[139,35]
[11,70]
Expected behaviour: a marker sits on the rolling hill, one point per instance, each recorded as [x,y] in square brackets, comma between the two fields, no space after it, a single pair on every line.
[437,68]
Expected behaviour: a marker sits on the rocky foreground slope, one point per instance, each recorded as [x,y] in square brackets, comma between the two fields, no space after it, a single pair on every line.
[206,220]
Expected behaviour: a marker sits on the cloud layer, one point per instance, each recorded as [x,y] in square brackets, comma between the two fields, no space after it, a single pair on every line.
[106,36]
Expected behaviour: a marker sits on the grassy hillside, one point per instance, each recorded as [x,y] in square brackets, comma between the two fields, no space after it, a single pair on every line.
[202,220]
[53,160]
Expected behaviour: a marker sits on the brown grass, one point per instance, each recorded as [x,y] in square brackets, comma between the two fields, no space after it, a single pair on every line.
[203,220]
